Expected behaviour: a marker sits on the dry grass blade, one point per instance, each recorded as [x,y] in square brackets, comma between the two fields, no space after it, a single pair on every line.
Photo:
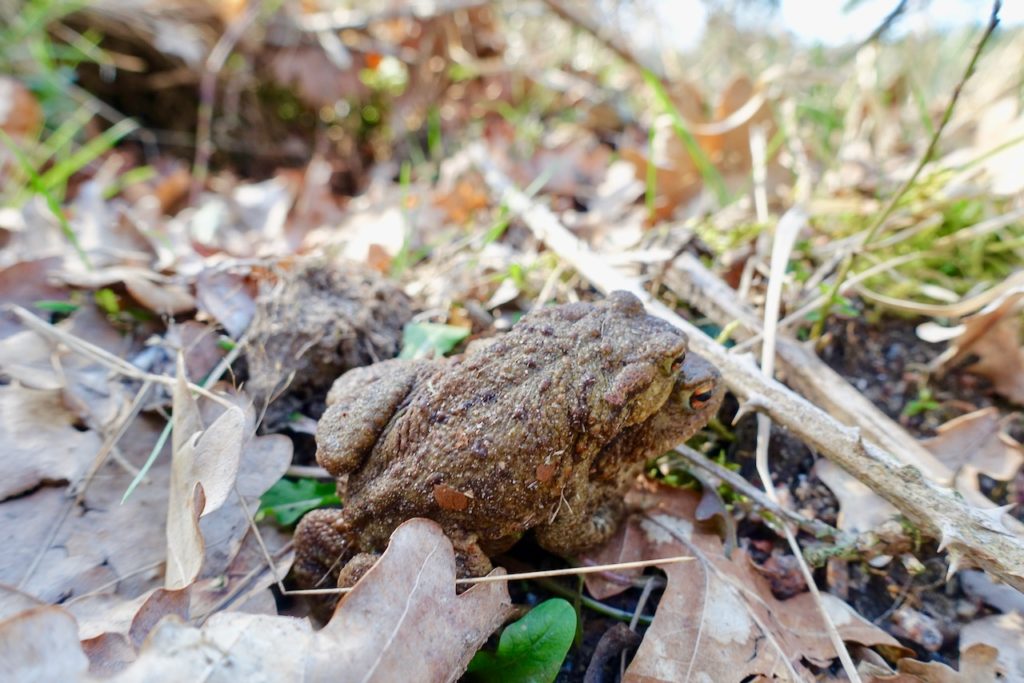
[890,206]
[786,232]
[492,578]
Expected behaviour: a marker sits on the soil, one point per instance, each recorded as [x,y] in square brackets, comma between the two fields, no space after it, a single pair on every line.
[312,324]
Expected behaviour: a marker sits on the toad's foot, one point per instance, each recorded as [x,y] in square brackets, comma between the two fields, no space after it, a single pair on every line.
[322,548]
[573,531]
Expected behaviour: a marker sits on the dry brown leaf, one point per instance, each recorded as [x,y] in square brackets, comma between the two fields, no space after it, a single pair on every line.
[112,629]
[993,336]
[40,440]
[978,439]
[89,389]
[718,619]
[402,618]
[108,545]
[229,298]
[20,113]
[404,614]
[977,665]
[1004,632]
[41,644]
[156,292]
[25,283]
[724,140]
[860,508]
[204,466]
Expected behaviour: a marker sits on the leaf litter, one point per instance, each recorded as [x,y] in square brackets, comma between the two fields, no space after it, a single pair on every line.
[181,281]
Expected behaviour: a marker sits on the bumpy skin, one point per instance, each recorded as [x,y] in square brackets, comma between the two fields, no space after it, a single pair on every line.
[543,429]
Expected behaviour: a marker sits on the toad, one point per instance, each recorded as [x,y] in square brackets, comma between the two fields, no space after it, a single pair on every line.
[543,429]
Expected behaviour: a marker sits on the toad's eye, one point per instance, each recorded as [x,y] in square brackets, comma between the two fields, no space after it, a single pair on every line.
[677,364]
[702,394]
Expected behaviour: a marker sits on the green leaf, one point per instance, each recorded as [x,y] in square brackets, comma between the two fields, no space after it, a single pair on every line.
[288,500]
[108,301]
[54,306]
[531,649]
[420,339]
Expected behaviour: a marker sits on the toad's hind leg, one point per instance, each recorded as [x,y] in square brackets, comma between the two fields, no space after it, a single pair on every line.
[581,527]
[322,547]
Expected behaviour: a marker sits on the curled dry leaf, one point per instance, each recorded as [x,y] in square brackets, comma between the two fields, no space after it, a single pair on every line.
[993,337]
[718,619]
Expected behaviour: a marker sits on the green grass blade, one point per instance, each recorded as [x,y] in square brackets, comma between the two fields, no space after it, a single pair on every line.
[712,178]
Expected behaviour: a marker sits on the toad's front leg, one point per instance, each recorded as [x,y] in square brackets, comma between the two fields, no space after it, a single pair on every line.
[324,543]
[581,525]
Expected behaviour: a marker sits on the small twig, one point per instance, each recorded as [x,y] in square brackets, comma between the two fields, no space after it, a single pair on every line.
[251,519]
[308,472]
[118,365]
[814,526]
[886,24]
[492,578]
[883,215]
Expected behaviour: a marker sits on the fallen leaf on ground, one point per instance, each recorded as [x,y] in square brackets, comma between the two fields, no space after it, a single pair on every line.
[403,616]
[204,464]
[718,619]
[977,665]
[20,113]
[25,283]
[860,508]
[993,336]
[1004,632]
[89,389]
[41,644]
[41,441]
[978,440]
[229,298]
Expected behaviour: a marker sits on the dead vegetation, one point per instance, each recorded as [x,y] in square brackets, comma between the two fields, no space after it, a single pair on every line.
[209,211]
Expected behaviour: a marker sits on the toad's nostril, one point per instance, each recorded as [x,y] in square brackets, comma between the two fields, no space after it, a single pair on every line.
[677,364]
[702,395]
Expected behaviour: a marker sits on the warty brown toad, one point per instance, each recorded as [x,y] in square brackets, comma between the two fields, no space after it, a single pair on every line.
[545,428]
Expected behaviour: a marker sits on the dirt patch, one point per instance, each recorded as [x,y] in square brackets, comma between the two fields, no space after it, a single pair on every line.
[315,321]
